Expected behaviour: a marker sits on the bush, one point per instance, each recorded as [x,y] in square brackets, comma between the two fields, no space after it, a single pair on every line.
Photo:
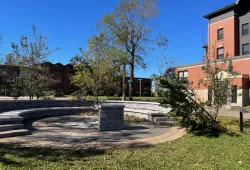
[145,93]
[15,94]
[59,94]
[178,94]
[79,95]
[171,114]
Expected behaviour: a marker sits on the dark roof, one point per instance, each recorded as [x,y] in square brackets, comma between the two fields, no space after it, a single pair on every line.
[47,63]
[231,6]
[69,65]
[59,64]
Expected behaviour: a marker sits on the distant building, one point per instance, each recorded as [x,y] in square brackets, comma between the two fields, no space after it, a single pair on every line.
[143,84]
[62,73]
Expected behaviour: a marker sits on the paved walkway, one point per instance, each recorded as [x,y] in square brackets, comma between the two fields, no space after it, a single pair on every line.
[233,113]
[78,132]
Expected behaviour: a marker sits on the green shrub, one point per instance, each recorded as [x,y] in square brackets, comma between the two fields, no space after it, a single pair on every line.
[59,94]
[145,93]
[79,95]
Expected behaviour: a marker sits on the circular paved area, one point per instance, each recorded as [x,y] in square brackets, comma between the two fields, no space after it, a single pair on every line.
[81,132]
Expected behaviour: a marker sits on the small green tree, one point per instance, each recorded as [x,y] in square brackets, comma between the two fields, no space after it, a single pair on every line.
[31,54]
[179,94]
[217,83]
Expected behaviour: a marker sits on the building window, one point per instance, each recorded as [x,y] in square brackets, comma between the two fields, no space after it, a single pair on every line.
[220,34]
[245,29]
[234,94]
[183,74]
[245,49]
[220,53]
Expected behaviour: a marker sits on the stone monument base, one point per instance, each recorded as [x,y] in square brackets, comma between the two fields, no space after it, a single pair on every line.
[111,118]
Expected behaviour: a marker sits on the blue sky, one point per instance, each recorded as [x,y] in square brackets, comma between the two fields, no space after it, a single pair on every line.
[69,23]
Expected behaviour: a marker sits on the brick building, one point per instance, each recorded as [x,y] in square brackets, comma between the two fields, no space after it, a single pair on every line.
[228,36]
[62,73]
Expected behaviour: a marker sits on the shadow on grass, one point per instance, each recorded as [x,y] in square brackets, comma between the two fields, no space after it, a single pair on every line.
[23,156]
[7,161]
[213,133]
[227,126]
[44,154]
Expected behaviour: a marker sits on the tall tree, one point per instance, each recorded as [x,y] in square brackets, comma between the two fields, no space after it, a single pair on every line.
[128,28]
[95,70]
[31,53]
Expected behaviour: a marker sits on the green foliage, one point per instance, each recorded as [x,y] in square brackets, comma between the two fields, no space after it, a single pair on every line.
[178,94]
[247,108]
[128,29]
[34,77]
[96,73]
[170,114]
[58,94]
[217,83]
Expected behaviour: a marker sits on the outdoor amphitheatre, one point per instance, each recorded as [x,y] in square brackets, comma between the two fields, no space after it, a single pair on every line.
[77,124]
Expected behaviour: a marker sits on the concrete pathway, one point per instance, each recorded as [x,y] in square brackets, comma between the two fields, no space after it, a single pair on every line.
[233,113]
[74,132]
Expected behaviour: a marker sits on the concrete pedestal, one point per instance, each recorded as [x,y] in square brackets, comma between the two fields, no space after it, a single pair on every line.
[111,117]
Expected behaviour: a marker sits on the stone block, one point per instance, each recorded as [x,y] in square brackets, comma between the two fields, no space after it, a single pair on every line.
[111,117]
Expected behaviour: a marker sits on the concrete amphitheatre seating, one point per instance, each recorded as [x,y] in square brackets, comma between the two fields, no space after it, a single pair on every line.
[13,113]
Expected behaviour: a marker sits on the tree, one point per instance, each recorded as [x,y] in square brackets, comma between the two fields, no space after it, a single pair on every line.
[128,29]
[31,53]
[179,94]
[95,70]
[218,84]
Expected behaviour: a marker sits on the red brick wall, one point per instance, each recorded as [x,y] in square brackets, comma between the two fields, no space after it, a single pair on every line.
[230,30]
[241,66]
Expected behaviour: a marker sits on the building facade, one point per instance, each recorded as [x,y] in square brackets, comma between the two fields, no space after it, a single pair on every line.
[228,37]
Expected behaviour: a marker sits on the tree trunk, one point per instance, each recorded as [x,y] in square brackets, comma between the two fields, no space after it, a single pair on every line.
[30,96]
[131,88]
[124,83]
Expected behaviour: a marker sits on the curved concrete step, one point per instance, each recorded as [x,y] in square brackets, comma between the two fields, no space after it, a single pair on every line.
[144,111]
[10,127]
[10,121]
[12,133]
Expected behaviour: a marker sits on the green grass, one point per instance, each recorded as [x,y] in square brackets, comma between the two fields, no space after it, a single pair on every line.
[136,98]
[194,151]
[247,108]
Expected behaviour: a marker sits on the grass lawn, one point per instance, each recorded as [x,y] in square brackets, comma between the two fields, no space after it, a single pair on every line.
[136,98]
[247,108]
[194,151]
